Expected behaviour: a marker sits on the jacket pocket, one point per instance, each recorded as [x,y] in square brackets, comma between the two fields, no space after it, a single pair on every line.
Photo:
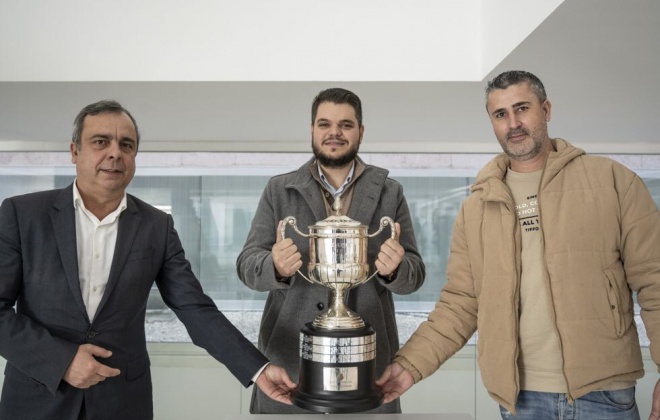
[14,375]
[270,318]
[137,367]
[614,300]
[140,254]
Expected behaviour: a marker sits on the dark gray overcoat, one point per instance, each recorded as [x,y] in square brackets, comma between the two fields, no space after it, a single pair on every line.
[292,304]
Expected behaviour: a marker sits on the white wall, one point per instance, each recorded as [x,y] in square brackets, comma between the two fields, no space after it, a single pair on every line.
[600,71]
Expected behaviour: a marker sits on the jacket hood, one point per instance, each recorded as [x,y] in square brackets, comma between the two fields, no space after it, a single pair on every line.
[493,173]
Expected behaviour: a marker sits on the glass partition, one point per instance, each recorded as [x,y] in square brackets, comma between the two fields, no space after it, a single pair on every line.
[213,207]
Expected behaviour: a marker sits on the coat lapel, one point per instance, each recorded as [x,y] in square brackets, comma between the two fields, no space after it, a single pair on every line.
[367,194]
[63,219]
[129,221]
[310,191]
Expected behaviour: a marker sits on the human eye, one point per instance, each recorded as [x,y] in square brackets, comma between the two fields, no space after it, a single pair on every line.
[99,142]
[323,124]
[128,146]
[499,114]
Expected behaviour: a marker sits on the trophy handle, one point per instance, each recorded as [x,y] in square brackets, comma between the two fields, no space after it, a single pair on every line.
[292,221]
[384,221]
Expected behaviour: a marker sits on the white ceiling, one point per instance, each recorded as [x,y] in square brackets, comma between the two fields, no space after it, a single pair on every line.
[599,60]
[262,40]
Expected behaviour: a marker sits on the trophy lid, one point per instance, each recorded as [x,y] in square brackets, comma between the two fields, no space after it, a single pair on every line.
[337,220]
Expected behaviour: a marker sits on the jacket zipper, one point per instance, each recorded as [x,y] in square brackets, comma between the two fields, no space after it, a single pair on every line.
[517,244]
[569,397]
[517,247]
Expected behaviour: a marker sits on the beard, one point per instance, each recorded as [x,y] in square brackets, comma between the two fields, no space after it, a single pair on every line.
[526,151]
[338,161]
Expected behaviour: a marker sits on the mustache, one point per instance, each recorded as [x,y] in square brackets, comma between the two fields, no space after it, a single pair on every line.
[517,132]
[334,138]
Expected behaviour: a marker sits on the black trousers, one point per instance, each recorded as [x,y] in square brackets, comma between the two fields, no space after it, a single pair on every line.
[82,415]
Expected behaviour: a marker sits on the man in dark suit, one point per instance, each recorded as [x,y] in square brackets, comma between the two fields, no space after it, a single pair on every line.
[76,267]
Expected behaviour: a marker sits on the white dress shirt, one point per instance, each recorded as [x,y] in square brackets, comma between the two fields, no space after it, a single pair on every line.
[96,241]
[96,246]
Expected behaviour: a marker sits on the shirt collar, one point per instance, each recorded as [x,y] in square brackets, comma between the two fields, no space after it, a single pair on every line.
[78,202]
[329,187]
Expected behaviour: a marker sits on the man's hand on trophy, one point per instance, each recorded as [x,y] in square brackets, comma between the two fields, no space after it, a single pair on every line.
[286,258]
[390,255]
[394,382]
[276,384]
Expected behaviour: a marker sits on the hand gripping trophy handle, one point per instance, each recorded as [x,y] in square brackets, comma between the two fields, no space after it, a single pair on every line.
[338,261]
[384,222]
[292,221]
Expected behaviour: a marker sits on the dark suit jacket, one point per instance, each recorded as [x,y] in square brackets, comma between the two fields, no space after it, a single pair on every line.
[39,338]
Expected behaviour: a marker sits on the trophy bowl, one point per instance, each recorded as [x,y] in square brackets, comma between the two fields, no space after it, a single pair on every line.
[338,349]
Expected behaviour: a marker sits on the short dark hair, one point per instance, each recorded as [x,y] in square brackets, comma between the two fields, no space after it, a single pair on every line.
[338,96]
[515,77]
[100,107]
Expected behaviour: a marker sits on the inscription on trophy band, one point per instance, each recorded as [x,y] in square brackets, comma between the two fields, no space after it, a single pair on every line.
[338,349]
[340,358]
[342,350]
[336,341]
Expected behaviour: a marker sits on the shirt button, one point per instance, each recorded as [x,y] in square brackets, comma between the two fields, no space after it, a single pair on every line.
[320,306]
[97,256]
[94,289]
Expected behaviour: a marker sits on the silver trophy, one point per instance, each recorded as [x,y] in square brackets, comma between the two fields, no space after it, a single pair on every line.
[338,349]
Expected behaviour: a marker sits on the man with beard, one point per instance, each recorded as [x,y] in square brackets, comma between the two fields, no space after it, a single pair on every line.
[545,254]
[269,263]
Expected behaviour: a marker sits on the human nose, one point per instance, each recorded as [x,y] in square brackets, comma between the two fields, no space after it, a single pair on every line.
[114,151]
[335,130]
[514,122]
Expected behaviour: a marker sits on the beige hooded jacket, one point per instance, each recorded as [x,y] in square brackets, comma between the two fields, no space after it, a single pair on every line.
[601,233]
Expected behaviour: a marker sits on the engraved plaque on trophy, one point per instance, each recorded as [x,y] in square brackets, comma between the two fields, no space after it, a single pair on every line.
[338,349]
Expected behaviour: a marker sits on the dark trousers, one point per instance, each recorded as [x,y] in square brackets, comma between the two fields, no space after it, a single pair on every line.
[82,415]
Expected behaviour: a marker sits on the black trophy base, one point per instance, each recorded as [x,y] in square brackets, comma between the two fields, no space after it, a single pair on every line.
[338,377]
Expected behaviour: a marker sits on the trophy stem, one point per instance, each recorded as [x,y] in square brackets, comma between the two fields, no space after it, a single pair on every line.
[338,316]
